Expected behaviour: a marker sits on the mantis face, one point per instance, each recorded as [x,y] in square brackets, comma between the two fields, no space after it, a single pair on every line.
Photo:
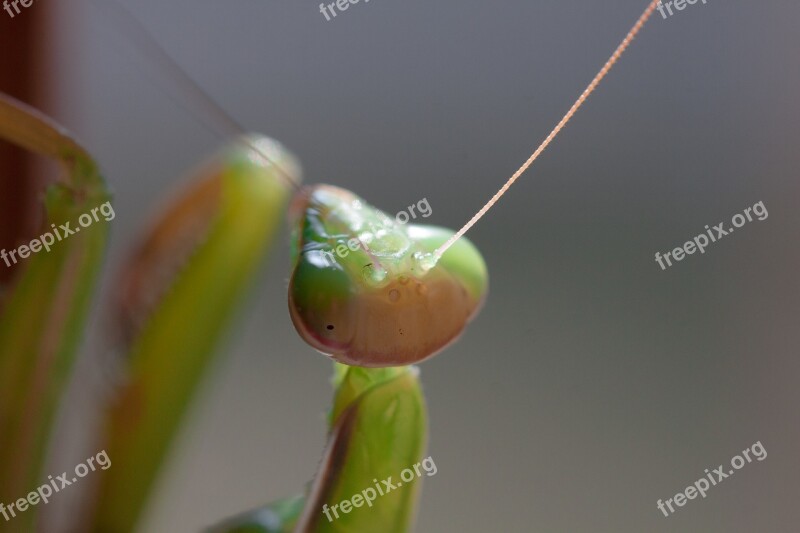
[365,289]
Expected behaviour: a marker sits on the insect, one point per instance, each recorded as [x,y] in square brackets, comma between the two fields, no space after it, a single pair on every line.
[398,298]
[401,295]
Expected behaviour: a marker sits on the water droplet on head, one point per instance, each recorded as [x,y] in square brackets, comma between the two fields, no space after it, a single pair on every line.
[372,274]
[425,261]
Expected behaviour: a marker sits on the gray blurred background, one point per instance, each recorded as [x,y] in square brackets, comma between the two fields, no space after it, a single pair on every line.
[593,383]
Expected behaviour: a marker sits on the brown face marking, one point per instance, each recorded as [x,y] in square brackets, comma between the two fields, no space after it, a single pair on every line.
[402,323]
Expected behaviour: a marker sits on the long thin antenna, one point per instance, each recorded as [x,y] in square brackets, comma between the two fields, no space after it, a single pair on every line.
[578,103]
[167,69]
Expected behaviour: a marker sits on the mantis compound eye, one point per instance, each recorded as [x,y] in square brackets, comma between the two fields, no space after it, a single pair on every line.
[365,289]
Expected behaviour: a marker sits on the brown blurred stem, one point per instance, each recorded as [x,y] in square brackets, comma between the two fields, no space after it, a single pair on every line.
[23,75]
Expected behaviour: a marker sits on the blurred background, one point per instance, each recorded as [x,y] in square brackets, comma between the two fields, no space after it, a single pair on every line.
[593,383]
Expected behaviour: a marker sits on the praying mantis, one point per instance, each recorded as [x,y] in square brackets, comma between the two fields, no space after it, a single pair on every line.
[405,293]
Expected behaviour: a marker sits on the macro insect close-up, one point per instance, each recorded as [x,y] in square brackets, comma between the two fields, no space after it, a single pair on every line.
[382,267]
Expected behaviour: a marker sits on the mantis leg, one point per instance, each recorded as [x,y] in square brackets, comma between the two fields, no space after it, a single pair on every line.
[44,309]
[176,296]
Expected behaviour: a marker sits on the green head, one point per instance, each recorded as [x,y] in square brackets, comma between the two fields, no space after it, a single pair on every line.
[367,290]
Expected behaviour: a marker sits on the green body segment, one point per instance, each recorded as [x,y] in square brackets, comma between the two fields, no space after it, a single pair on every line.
[379,428]
[233,212]
[44,311]
[365,289]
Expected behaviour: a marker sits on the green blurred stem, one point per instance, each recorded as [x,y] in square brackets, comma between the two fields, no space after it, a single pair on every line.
[170,355]
[45,309]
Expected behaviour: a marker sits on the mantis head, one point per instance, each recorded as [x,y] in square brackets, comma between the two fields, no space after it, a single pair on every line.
[369,291]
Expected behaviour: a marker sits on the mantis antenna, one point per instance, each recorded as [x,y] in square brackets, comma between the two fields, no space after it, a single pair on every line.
[168,69]
[578,103]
